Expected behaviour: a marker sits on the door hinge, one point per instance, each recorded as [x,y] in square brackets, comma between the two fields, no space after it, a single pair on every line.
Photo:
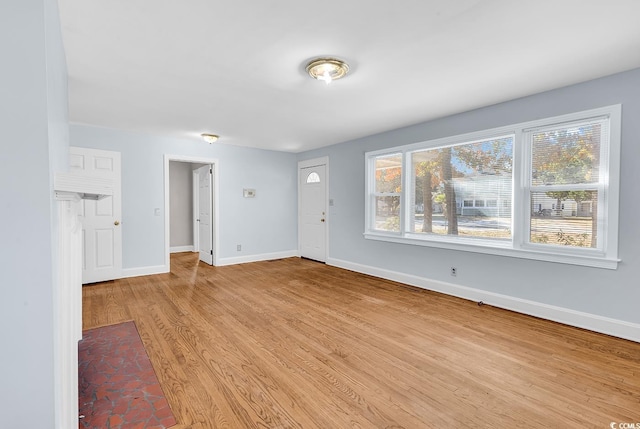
[211,251]
[210,171]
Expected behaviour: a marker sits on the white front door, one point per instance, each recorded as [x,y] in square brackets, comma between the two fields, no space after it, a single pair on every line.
[313,212]
[101,229]
[205,213]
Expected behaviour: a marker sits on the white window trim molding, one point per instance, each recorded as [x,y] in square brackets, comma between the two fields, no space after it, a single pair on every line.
[479,246]
[517,247]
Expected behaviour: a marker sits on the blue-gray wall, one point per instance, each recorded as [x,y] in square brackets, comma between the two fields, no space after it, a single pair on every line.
[609,293]
[33,120]
[262,225]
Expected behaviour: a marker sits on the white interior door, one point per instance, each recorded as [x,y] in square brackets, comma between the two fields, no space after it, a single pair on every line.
[205,213]
[101,230]
[312,212]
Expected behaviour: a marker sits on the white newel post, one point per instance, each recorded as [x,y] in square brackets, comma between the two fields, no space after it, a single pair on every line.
[68,310]
[70,190]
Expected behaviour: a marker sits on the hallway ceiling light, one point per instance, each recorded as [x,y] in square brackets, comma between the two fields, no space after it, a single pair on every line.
[327,69]
[210,138]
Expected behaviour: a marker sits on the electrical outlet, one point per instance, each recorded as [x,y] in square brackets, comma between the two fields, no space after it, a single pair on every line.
[239,247]
[454,271]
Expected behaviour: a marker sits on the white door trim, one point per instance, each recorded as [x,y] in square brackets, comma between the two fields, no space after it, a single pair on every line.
[312,163]
[167,220]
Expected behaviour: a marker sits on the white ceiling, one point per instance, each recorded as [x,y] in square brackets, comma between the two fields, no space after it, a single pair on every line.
[236,67]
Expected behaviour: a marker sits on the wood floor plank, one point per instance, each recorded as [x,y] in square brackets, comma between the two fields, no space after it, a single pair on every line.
[297,344]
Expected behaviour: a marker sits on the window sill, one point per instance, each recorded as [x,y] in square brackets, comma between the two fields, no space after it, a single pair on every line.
[499,249]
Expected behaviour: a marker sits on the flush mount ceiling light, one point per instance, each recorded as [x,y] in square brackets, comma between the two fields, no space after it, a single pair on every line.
[209,138]
[327,69]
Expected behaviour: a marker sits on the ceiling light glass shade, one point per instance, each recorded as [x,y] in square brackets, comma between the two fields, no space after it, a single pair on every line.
[209,138]
[327,69]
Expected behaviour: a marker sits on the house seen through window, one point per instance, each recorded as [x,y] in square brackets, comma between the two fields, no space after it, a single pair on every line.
[471,173]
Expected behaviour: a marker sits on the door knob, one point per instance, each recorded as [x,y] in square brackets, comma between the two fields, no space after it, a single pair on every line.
[116,223]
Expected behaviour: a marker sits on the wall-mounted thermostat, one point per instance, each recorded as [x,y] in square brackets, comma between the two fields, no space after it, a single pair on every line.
[249,193]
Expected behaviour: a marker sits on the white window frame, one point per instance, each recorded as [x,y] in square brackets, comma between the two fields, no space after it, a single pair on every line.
[604,256]
[370,217]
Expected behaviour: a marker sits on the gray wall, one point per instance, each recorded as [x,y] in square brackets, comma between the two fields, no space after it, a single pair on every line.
[609,293]
[33,120]
[181,203]
[264,224]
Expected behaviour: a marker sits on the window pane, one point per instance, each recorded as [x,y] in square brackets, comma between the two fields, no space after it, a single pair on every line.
[313,177]
[567,155]
[387,213]
[564,218]
[462,178]
[389,174]
[388,186]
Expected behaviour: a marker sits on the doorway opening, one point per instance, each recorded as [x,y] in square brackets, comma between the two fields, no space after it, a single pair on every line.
[191,207]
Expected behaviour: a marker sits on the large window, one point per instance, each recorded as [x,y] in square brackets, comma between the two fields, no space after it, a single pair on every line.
[545,189]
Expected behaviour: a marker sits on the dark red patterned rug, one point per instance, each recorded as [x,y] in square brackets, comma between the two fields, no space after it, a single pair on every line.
[117,385]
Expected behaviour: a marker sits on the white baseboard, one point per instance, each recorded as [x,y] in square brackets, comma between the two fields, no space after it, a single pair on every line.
[160,269]
[144,271]
[179,249]
[592,322]
[256,258]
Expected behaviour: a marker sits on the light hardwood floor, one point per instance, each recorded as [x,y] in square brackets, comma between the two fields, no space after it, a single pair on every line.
[296,344]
